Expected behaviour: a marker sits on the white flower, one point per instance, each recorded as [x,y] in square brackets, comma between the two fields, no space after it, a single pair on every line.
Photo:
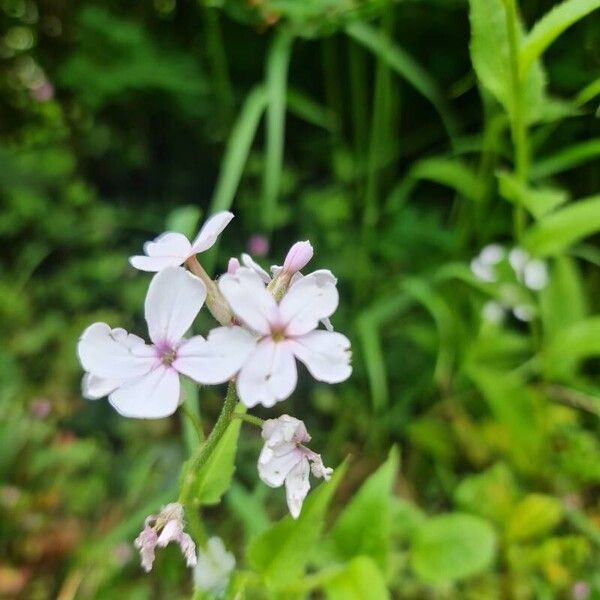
[162,529]
[214,567]
[172,249]
[483,266]
[493,312]
[142,380]
[533,272]
[280,333]
[284,459]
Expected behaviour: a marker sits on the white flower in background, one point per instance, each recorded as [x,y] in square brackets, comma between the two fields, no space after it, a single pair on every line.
[284,459]
[213,568]
[524,312]
[533,272]
[493,312]
[275,334]
[162,529]
[142,380]
[483,266]
[172,249]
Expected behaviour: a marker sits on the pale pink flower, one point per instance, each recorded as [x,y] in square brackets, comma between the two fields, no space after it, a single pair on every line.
[172,249]
[298,257]
[284,459]
[162,529]
[142,380]
[233,265]
[258,245]
[276,334]
[214,567]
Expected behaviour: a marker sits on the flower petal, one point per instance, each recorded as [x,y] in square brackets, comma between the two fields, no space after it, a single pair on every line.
[309,300]
[249,299]
[152,396]
[216,359]
[326,355]
[210,231]
[268,375]
[297,486]
[94,387]
[113,353]
[250,263]
[167,250]
[174,299]
[274,464]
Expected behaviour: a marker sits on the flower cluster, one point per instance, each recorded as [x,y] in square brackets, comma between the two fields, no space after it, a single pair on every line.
[517,275]
[267,322]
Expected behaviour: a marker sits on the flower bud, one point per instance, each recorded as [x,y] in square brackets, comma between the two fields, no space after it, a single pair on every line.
[233,265]
[298,257]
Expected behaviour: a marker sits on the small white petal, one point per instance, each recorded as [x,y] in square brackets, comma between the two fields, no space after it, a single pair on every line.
[210,231]
[268,375]
[167,250]
[214,567]
[524,312]
[216,359]
[250,263]
[174,299]
[482,271]
[492,254]
[297,485]
[94,387]
[517,258]
[274,464]
[309,300]
[249,299]
[152,396]
[114,354]
[493,312]
[535,275]
[326,355]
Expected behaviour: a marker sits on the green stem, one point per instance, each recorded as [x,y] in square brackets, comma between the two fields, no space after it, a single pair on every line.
[249,419]
[518,122]
[193,419]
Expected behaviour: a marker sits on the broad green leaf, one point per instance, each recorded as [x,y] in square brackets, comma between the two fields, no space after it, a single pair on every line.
[365,524]
[534,516]
[571,345]
[549,27]
[213,479]
[451,547]
[492,62]
[556,232]
[538,202]
[281,553]
[490,494]
[404,65]
[566,158]
[361,579]
[562,301]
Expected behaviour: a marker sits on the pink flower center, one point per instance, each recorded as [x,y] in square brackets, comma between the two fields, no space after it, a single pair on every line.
[167,355]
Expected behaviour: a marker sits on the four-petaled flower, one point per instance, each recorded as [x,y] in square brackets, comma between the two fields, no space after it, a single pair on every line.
[142,380]
[162,529]
[172,249]
[284,459]
[275,334]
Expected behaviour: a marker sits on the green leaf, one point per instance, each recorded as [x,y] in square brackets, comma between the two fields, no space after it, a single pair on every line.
[404,65]
[365,524]
[451,547]
[556,232]
[281,553]
[213,479]
[359,580]
[534,516]
[565,159]
[538,202]
[549,27]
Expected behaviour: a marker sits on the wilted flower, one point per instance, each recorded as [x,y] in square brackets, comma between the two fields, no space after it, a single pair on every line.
[162,529]
[142,380]
[284,459]
[214,567]
[277,334]
[172,249]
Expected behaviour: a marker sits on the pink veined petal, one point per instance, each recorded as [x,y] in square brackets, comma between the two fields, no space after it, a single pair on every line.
[114,354]
[216,359]
[309,300]
[249,299]
[326,355]
[274,464]
[152,396]
[94,387]
[174,299]
[210,231]
[268,375]
[297,485]
[168,249]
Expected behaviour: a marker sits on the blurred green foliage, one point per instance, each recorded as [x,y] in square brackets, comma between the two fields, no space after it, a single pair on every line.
[400,138]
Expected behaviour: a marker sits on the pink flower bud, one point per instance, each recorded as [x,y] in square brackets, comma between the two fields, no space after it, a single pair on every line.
[233,265]
[258,245]
[298,257]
